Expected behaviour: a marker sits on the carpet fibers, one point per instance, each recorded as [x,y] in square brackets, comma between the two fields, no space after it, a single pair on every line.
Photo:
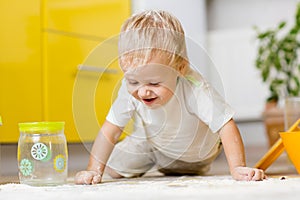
[184,187]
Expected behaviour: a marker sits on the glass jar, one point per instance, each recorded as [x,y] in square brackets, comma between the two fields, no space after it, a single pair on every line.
[291,111]
[42,153]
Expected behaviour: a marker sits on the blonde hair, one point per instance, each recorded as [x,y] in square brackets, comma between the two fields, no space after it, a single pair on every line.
[152,34]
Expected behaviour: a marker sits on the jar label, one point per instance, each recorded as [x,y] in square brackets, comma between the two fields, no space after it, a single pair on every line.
[59,163]
[26,167]
[39,151]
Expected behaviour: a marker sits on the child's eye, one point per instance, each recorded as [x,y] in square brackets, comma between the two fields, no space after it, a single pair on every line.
[154,84]
[131,82]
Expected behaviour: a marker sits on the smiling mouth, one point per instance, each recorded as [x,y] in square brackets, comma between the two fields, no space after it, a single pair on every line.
[149,101]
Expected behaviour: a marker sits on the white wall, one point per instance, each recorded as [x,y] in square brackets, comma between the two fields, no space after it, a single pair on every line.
[232,46]
[233,14]
[191,13]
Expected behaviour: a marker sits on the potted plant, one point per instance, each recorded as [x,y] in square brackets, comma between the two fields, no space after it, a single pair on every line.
[279,65]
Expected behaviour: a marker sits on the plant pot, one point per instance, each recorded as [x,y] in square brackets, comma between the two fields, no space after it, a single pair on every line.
[274,122]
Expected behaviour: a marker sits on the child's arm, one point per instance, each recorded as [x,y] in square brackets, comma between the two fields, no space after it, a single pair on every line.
[100,153]
[235,154]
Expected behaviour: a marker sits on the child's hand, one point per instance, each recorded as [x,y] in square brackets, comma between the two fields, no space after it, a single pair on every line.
[248,174]
[88,177]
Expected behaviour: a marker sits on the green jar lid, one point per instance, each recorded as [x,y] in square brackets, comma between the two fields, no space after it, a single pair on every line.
[40,127]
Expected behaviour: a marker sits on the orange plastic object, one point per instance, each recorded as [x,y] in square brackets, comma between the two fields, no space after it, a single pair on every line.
[276,150]
[291,145]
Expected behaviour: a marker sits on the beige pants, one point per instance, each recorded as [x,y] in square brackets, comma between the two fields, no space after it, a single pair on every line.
[132,158]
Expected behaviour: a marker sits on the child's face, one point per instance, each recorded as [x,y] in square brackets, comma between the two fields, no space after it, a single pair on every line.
[153,84]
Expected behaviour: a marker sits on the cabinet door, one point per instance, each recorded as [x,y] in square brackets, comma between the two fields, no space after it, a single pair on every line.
[84,18]
[20,66]
[73,29]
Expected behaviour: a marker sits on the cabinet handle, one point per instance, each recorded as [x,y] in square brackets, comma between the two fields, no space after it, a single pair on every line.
[97,69]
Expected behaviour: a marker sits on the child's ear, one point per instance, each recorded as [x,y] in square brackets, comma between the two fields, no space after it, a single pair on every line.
[183,67]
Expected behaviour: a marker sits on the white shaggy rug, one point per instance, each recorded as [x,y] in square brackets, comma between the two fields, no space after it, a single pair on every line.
[167,188]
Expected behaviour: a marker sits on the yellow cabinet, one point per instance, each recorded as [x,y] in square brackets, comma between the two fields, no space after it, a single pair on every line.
[90,19]
[40,67]
[73,28]
[62,70]
[20,66]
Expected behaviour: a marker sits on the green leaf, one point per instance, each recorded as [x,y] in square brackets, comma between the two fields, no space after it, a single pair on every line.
[258,63]
[264,34]
[294,30]
[277,82]
[297,16]
[297,88]
[277,63]
[272,98]
[265,74]
[281,25]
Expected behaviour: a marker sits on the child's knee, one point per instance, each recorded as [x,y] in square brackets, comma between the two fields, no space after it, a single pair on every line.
[112,173]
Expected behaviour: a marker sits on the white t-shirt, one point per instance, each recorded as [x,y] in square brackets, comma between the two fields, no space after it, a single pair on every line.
[186,127]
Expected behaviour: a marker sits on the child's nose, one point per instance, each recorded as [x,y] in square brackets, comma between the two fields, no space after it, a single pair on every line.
[144,91]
